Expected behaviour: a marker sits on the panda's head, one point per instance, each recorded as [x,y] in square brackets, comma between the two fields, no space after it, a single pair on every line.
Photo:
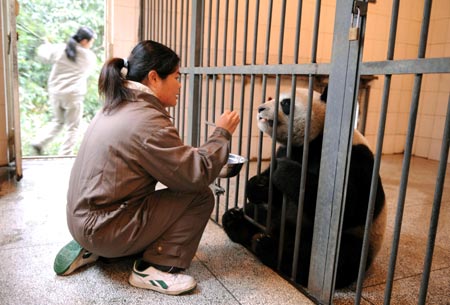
[266,116]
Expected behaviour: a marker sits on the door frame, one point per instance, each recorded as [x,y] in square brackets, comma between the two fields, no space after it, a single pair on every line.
[9,10]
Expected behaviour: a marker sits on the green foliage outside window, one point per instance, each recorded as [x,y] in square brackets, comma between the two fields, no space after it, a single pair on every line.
[55,21]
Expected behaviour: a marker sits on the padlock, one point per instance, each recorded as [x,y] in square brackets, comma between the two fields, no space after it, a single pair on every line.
[353,33]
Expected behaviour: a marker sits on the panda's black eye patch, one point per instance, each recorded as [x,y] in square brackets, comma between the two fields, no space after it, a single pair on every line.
[286,105]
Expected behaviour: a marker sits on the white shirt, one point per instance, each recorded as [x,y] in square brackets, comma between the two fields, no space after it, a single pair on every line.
[67,76]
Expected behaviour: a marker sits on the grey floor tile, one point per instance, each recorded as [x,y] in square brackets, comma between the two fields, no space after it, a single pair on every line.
[34,229]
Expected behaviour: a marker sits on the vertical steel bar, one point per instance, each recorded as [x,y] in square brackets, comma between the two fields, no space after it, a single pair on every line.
[208,35]
[284,204]
[255,33]
[151,23]
[187,40]
[232,86]
[187,56]
[407,154]
[181,54]
[193,119]
[201,46]
[378,152]
[364,108]
[224,60]
[268,32]
[298,25]
[264,81]
[336,147]
[172,23]
[175,26]
[181,106]
[166,26]
[266,61]
[159,21]
[207,63]
[150,19]
[225,35]
[281,35]
[224,55]
[436,208]
[252,91]
[272,153]
[315,32]
[214,89]
[298,227]
[142,20]
[305,141]
[242,99]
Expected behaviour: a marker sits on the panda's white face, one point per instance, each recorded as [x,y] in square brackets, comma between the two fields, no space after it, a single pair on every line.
[266,117]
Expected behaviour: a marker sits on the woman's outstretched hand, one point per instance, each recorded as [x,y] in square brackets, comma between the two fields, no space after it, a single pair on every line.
[228,120]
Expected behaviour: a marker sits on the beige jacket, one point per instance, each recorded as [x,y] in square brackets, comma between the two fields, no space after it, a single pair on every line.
[124,154]
[67,77]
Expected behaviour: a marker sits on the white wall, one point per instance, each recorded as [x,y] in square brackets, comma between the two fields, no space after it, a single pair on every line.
[125,23]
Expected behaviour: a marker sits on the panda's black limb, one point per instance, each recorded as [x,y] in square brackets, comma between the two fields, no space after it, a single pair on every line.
[258,188]
[349,259]
[238,229]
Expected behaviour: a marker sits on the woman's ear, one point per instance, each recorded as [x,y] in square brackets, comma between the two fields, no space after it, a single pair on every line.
[152,76]
[152,80]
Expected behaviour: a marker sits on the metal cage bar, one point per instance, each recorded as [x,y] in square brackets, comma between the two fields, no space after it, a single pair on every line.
[407,154]
[198,29]
[378,151]
[436,208]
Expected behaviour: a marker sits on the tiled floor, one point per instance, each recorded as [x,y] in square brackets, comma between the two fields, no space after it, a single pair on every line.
[33,228]
[413,238]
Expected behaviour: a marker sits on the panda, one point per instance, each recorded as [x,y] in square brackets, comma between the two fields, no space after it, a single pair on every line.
[239,223]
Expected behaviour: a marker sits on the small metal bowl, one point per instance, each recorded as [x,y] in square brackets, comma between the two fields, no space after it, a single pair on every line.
[233,166]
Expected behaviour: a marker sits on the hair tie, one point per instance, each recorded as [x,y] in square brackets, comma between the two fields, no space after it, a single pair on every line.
[124,70]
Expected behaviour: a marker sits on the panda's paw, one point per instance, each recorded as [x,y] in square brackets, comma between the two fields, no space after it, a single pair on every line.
[262,244]
[231,217]
[233,223]
[258,189]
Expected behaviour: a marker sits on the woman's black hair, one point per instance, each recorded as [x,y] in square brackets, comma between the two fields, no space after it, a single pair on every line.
[83,33]
[146,56]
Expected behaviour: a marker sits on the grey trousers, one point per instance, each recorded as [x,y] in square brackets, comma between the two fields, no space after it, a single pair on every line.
[67,110]
[166,227]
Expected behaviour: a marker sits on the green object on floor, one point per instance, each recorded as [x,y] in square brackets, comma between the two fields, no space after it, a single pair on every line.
[71,257]
[66,256]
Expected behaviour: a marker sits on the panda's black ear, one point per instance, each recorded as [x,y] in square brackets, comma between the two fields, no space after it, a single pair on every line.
[324,95]
[286,106]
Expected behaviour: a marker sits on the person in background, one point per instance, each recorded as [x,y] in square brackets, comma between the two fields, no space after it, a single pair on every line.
[113,208]
[67,85]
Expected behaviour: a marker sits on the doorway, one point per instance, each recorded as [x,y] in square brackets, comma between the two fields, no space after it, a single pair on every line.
[54,22]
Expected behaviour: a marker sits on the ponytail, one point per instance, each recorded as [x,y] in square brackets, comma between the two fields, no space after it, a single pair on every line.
[111,84]
[71,46]
[71,49]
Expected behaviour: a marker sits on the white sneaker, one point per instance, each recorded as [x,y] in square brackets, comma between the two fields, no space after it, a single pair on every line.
[164,282]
